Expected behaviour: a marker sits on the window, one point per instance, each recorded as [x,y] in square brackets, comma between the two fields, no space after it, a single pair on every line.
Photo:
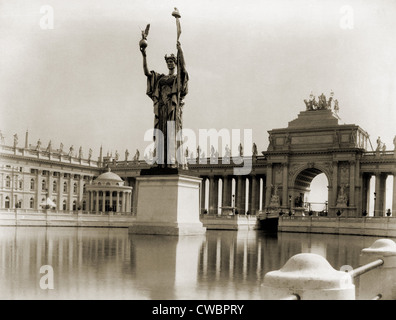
[43,185]
[84,205]
[19,204]
[74,205]
[54,186]
[32,184]
[64,207]
[8,182]
[7,202]
[20,184]
[65,187]
[75,188]
[31,203]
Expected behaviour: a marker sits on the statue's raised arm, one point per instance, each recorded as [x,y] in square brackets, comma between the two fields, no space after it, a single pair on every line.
[143,46]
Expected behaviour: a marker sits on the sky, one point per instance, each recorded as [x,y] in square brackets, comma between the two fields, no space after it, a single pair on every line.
[251,64]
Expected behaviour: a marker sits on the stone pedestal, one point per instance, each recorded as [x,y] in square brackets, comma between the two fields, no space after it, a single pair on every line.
[168,205]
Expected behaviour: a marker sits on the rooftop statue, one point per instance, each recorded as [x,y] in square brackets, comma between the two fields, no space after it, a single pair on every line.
[322,103]
[49,147]
[38,145]
[254,150]
[15,140]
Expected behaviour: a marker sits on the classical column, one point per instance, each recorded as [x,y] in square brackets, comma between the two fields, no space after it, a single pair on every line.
[111,201]
[238,193]
[352,183]
[203,192]
[129,201]
[333,201]
[134,195]
[71,186]
[118,202]
[50,184]
[366,192]
[243,196]
[263,192]
[253,195]
[394,195]
[268,185]
[285,186]
[59,189]
[358,189]
[123,197]
[12,201]
[216,196]
[225,199]
[211,194]
[382,208]
[38,187]
[91,194]
[103,201]
[377,199]
[80,191]
[97,202]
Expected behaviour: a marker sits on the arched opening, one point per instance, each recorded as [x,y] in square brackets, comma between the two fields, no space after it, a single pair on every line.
[310,194]
[318,195]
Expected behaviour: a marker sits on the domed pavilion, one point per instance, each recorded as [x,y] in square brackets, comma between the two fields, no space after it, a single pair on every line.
[107,193]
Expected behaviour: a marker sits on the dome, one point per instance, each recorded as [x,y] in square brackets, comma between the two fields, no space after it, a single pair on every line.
[109,178]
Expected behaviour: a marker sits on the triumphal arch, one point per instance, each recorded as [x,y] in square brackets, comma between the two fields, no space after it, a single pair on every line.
[315,142]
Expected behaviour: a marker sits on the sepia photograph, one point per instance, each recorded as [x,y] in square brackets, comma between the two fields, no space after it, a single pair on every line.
[214,152]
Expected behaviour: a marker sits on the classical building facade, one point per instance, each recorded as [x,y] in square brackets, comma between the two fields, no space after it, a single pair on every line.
[313,143]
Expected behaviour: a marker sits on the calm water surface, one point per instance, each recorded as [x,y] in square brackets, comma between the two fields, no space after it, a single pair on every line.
[100,263]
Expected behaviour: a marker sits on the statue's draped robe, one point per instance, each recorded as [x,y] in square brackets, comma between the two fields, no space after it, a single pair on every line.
[168,104]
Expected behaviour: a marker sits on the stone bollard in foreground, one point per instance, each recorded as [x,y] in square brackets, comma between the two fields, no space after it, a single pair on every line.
[381,280]
[311,277]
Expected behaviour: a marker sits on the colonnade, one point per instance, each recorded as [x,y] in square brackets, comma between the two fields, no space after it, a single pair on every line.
[245,193]
[379,194]
[109,200]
